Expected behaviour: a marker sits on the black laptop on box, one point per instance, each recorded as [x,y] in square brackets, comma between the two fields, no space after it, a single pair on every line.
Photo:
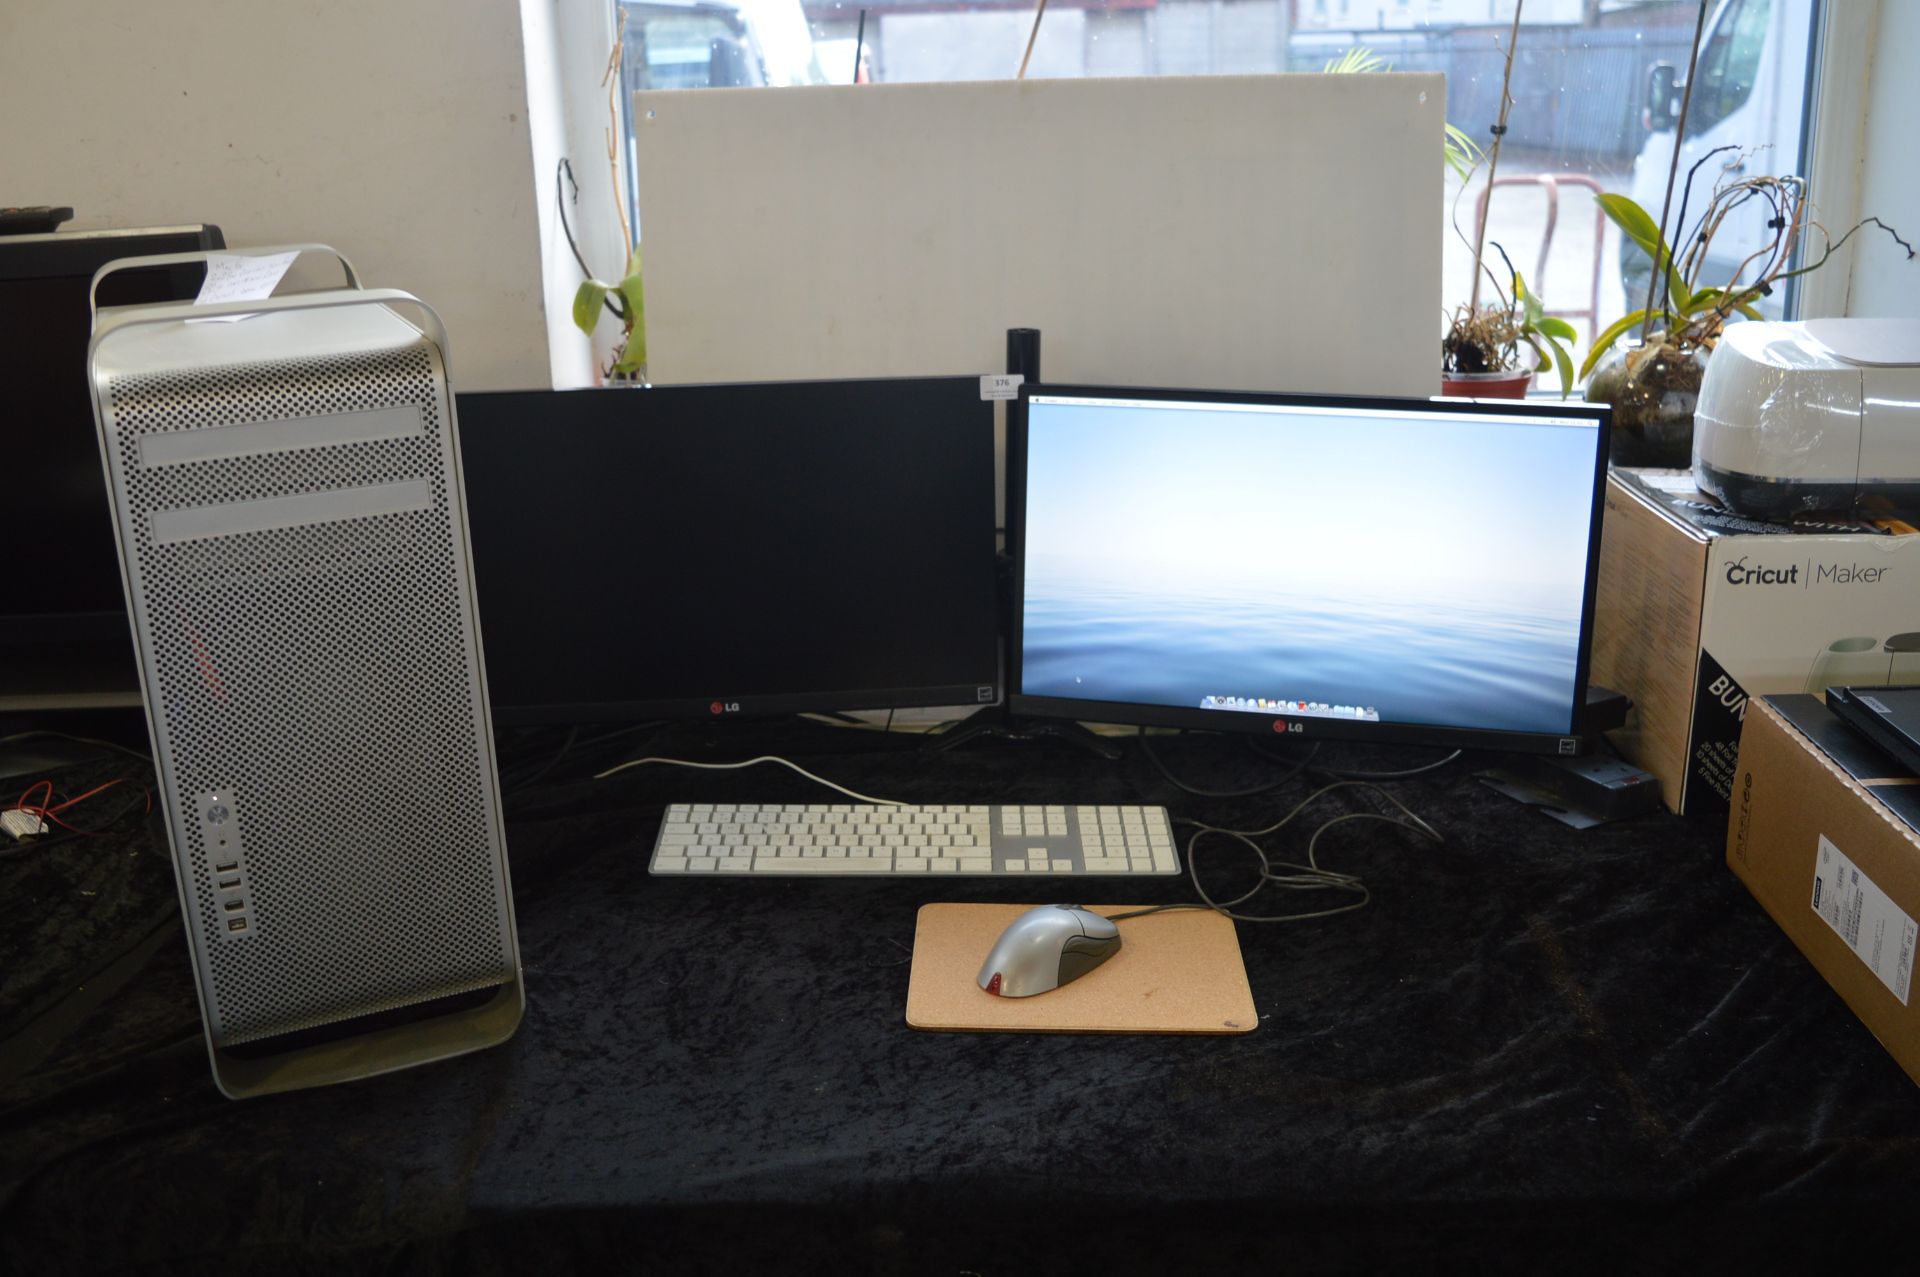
[1887,716]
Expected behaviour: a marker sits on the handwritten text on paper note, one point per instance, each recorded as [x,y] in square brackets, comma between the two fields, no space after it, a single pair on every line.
[241,279]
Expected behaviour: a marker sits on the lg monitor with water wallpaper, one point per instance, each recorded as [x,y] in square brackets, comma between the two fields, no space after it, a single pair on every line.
[1312,566]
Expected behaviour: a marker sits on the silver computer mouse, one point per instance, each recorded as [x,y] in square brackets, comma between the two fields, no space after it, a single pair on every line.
[1045,948]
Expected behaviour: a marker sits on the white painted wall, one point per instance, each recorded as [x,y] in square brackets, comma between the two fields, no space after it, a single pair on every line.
[1883,283]
[394,130]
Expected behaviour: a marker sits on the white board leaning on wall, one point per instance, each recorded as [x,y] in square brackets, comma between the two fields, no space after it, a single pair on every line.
[1271,232]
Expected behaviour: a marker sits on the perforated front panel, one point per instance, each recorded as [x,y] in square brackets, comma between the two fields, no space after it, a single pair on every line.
[321,681]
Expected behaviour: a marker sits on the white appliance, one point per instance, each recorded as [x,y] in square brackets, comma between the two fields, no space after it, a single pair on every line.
[1818,415]
[286,497]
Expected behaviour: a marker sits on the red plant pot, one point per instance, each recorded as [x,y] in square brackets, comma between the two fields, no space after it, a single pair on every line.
[1486,385]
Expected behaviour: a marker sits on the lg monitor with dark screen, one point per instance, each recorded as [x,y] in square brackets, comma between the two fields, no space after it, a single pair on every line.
[743,549]
[1405,570]
[64,639]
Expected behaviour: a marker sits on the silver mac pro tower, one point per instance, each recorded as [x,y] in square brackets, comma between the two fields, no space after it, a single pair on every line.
[286,496]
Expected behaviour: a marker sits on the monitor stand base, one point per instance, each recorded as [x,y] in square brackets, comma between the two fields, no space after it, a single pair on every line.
[1003,726]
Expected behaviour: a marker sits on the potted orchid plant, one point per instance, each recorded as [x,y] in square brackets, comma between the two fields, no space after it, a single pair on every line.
[1493,350]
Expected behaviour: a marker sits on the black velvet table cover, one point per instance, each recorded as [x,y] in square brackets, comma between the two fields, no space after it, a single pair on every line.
[1535,1050]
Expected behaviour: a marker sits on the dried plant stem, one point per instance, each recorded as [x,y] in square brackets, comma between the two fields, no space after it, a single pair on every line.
[611,81]
[1790,211]
[1033,35]
[1694,249]
[1656,282]
[1493,155]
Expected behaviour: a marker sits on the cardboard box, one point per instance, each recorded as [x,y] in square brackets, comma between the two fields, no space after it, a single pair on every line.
[1698,610]
[1826,835]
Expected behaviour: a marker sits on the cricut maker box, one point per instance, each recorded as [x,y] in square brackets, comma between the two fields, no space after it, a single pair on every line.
[1698,610]
[1826,835]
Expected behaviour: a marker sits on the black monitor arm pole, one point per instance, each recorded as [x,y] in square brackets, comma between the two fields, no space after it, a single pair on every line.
[1023,357]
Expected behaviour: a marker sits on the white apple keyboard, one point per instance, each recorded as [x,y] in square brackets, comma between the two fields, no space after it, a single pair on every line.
[808,840]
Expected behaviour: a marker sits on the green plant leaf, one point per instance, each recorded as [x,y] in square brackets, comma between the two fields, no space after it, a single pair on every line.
[633,358]
[1530,305]
[1554,326]
[1609,335]
[1461,152]
[1356,61]
[1564,362]
[633,306]
[1632,220]
[1707,297]
[586,305]
[1635,223]
[636,304]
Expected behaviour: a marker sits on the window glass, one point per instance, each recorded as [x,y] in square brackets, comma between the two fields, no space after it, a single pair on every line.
[1584,119]
[701,46]
[1730,62]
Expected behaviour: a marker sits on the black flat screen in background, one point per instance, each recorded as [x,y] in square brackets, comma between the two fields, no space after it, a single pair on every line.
[689,551]
[56,494]
[64,637]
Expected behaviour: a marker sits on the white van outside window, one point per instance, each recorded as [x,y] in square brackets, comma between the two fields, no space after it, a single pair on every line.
[1749,95]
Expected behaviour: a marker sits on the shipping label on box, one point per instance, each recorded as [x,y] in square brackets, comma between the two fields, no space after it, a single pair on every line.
[1826,835]
[1880,933]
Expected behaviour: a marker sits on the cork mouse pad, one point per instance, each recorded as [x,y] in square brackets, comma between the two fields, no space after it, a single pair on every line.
[1176,972]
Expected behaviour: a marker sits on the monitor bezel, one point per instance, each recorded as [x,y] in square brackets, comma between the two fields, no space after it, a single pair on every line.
[1305,728]
[79,254]
[735,706]
[728,703]
[99,640]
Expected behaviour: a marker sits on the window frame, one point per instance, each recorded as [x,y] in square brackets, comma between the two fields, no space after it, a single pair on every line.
[1832,141]
[1831,144]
